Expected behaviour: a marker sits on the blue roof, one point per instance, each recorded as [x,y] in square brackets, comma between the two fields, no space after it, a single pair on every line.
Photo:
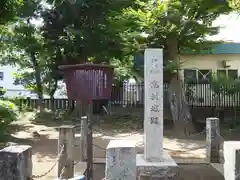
[228,48]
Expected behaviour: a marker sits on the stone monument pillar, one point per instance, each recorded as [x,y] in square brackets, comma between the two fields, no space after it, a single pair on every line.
[155,162]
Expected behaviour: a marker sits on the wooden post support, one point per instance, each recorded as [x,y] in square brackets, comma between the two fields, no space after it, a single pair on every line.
[89,143]
[83,138]
[66,161]
[82,120]
[212,137]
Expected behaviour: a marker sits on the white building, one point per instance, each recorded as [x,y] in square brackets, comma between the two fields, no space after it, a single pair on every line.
[7,82]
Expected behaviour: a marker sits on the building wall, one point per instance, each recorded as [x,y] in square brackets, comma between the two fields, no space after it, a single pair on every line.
[8,82]
[8,78]
[210,61]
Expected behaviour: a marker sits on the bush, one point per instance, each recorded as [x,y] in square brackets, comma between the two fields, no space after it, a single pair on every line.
[8,114]
[2,92]
[225,85]
[19,101]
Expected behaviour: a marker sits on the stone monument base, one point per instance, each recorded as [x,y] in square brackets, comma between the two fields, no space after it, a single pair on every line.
[163,169]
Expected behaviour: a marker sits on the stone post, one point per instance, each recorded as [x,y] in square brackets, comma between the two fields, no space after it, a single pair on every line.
[66,160]
[212,137]
[153,104]
[16,162]
[155,162]
[121,160]
[232,160]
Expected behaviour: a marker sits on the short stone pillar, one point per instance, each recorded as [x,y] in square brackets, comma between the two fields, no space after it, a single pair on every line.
[212,138]
[66,144]
[232,160]
[16,162]
[121,160]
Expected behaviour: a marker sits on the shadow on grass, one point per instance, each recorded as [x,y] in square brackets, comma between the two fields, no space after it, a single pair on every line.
[15,127]
[11,129]
[113,122]
[45,148]
[122,126]
[109,127]
[20,141]
[42,145]
[50,118]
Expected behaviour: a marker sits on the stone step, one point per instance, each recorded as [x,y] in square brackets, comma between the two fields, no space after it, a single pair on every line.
[177,160]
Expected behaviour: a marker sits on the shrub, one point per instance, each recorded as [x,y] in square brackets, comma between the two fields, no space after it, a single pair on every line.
[225,85]
[8,114]
[2,92]
[19,101]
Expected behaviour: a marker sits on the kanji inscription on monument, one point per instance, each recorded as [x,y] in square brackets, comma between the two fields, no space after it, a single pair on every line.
[155,65]
[153,120]
[155,108]
[155,96]
[154,84]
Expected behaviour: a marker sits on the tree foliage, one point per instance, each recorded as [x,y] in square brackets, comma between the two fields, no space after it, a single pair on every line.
[234,4]
[104,32]
[86,30]
[223,85]
[188,23]
[8,114]
[11,10]
[173,26]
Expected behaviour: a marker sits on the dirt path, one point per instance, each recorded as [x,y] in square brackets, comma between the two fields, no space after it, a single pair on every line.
[45,148]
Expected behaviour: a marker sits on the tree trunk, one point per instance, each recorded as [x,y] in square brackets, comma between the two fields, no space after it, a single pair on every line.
[52,92]
[38,81]
[180,111]
[52,103]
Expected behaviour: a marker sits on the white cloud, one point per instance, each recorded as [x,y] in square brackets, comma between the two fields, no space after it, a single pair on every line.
[230,28]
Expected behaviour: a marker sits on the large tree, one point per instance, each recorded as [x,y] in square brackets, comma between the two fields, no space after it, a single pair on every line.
[71,33]
[25,50]
[37,63]
[175,25]
[11,10]
[87,30]
[78,31]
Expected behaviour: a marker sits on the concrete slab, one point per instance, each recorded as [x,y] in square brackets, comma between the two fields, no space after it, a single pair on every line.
[164,168]
[218,167]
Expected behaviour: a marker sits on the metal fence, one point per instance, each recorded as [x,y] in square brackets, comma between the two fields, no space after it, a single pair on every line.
[197,95]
